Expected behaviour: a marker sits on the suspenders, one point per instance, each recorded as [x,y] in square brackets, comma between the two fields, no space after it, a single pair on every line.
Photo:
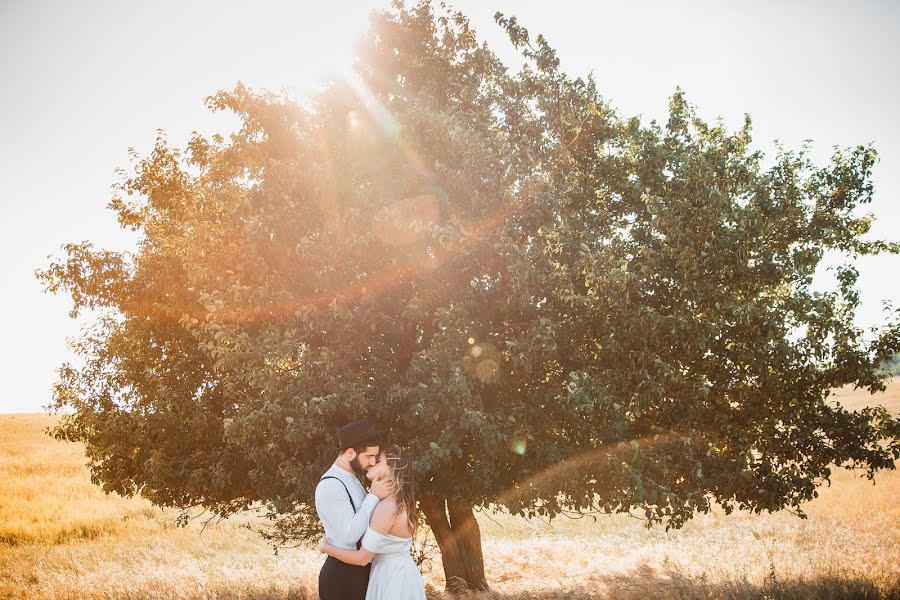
[353,504]
[345,489]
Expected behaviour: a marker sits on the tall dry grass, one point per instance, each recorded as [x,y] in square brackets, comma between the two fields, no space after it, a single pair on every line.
[60,537]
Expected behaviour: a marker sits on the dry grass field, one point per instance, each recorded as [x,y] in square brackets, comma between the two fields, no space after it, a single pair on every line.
[62,538]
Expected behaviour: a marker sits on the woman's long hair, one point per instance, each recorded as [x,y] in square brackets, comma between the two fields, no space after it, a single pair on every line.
[400,470]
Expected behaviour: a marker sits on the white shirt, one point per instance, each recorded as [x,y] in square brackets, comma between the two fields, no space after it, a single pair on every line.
[343,528]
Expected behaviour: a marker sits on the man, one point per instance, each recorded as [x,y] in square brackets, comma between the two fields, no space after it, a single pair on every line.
[345,508]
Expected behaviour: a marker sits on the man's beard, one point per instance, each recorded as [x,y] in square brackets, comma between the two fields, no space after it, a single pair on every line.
[356,466]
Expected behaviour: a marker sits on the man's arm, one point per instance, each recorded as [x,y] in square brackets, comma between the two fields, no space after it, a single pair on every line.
[360,557]
[382,520]
[336,512]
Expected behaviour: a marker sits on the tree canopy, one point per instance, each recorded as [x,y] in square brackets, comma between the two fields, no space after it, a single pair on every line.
[553,307]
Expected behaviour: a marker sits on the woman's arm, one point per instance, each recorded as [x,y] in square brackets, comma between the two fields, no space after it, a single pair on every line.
[382,520]
[337,513]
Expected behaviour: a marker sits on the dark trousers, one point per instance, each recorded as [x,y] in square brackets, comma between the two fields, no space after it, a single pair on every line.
[340,581]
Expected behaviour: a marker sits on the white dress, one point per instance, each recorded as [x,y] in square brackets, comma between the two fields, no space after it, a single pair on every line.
[394,574]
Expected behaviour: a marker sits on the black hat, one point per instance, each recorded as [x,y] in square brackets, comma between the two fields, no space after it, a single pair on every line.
[354,434]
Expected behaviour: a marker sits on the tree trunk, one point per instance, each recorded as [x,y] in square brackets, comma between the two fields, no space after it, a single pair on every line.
[468,540]
[459,539]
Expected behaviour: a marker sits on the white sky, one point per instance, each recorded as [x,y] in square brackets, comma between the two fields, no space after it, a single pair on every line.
[84,81]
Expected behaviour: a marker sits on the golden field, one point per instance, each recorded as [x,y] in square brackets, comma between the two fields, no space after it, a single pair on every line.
[60,537]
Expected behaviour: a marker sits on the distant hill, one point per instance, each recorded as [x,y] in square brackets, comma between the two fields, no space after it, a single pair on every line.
[892,366]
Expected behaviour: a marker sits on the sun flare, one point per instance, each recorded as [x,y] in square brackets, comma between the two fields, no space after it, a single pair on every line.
[323,50]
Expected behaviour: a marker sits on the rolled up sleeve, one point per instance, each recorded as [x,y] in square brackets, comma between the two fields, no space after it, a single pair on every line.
[336,512]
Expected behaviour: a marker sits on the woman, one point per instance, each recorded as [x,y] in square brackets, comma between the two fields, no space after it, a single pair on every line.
[387,541]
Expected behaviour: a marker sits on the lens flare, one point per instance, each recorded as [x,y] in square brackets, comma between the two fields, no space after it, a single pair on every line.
[406,221]
[519,444]
[419,210]
[557,476]
[482,362]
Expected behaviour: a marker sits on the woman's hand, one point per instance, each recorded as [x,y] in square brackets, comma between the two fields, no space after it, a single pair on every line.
[323,546]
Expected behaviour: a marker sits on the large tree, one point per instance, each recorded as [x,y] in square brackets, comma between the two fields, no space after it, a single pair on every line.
[555,308]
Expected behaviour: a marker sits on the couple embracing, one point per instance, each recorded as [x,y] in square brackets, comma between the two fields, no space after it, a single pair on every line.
[368,535]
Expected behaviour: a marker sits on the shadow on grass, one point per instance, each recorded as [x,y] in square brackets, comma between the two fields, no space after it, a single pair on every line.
[644,585]
[640,585]
[637,585]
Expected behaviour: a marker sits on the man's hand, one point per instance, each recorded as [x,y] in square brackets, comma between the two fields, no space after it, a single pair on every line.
[323,546]
[381,488]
